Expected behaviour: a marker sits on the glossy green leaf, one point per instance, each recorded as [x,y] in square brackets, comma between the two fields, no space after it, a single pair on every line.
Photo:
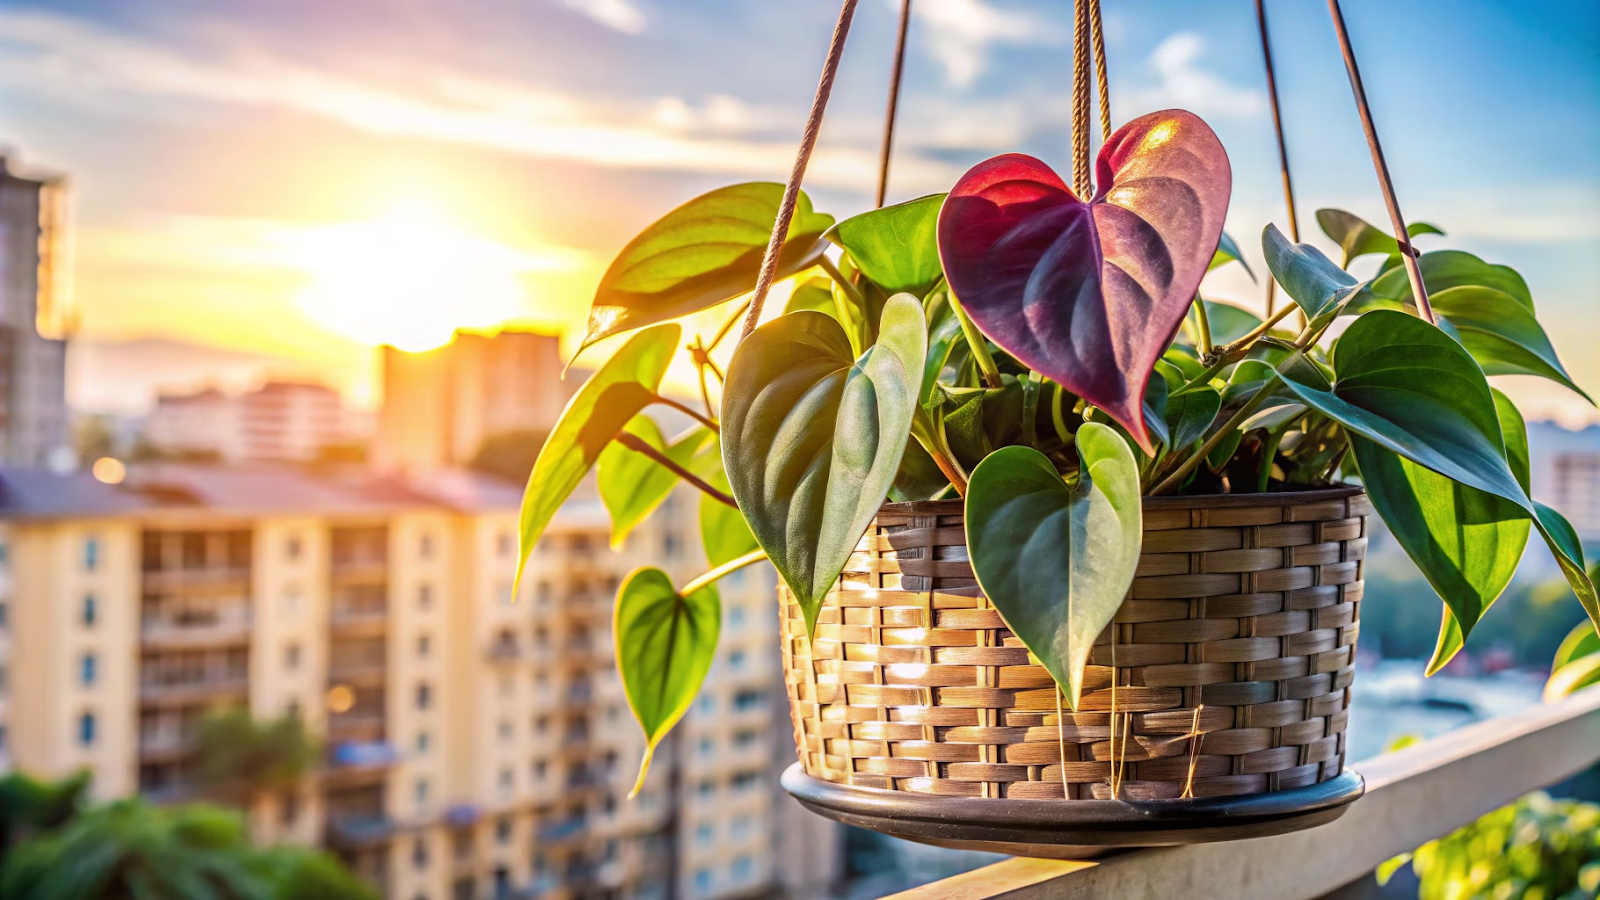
[631,484]
[1446,269]
[815,294]
[1227,252]
[1056,559]
[1501,333]
[919,477]
[897,247]
[615,393]
[1190,414]
[812,439]
[944,334]
[723,531]
[1316,285]
[1407,386]
[705,252]
[1571,678]
[1580,641]
[1466,542]
[1357,237]
[1229,323]
[665,643]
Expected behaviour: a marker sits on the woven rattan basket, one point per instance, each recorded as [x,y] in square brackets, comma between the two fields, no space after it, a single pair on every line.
[1232,661]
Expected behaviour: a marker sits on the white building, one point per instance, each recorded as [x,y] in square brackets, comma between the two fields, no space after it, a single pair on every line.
[33,398]
[279,421]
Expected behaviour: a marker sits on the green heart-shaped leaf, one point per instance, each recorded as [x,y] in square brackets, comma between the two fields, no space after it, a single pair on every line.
[1190,414]
[812,439]
[1501,333]
[1055,559]
[723,531]
[1229,323]
[897,247]
[1466,542]
[705,252]
[1410,388]
[665,645]
[1317,286]
[1227,252]
[1446,269]
[631,484]
[814,294]
[617,391]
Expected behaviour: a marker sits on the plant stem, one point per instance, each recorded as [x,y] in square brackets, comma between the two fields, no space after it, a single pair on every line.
[727,568]
[930,434]
[1204,320]
[689,411]
[1248,409]
[698,352]
[978,343]
[632,442]
[827,265]
[728,325]
[1232,353]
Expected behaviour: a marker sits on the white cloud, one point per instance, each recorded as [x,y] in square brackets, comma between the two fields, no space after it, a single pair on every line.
[622,15]
[960,34]
[1182,82]
[72,61]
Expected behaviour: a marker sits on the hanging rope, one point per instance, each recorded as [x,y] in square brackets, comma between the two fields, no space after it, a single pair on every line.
[894,102]
[1408,254]
[1103,85]
[791,190]
[1283,148]
[1080,100]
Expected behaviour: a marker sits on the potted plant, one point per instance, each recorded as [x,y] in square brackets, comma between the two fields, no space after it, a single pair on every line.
[1119,560]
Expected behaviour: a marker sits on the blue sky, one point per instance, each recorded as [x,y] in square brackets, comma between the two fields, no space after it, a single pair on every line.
[217,150]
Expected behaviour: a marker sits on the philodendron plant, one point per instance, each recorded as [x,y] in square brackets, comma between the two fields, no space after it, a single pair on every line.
[1048,358]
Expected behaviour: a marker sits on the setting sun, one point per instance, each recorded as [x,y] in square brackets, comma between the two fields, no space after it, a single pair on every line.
[412,277]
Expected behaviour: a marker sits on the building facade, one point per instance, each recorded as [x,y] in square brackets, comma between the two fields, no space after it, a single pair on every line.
[33,399]
[476,747]
[280,421]
[441,405]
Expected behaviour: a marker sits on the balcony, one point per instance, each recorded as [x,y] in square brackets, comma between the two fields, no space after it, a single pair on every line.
[223,686]
[164,746]
[204,579]
[359,569]
[355,831]
[359,620]
[196,630]
[358,672]
[1413,796]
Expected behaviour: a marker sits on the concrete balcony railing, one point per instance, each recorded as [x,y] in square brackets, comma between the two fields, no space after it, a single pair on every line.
[207,579]
[176,632]
[1413,796]
[223,686]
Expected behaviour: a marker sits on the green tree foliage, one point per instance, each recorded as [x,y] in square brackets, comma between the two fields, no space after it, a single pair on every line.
[1536,847]
[30,807]
[239,755]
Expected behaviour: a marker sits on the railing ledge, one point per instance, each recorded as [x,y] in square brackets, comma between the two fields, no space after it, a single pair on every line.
[1413,796]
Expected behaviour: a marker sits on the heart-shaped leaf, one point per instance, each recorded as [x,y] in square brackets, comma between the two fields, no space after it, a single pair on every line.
[897,247]
[723,531]
[1410,388]
[1190,414]
[812,439]
[1090,294]
[705,252]
[631,484]
[1357,237]
[665,643]
[814,294]
[1317,286]
[1229,323]
[1055,559]
[1466,542]
[617,391]
[1501,333]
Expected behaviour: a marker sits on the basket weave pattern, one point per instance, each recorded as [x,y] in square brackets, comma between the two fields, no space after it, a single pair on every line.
[1232,656]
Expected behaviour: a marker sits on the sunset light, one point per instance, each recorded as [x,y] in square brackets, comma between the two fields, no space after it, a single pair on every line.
[413,276]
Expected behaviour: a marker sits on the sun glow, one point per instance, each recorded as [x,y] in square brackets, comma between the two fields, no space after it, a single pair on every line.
[412,277]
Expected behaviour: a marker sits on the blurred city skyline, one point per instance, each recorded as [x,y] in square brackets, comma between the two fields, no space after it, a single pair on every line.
[294,184]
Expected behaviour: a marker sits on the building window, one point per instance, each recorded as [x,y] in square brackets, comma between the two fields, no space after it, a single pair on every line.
[702,880]
[745,738]
[419,853]
[292,548]
[86,729]
[747,700]
[505,730]
[502,830]
[703,833]
[424,696]
[90,611]
[708,704]
[425,546]
[736,659]
[736,617]
[505,779]
[707,746]
[424,644]
[742,867]
[5,615]
[291,810]
[425,596]
[740,827]
[538,769]
[744,781]
[86,669]
[706,787]
[91,554]
[291,657]
[422,792]
[422,743]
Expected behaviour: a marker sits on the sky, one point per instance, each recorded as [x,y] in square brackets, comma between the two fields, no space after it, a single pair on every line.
[273,189]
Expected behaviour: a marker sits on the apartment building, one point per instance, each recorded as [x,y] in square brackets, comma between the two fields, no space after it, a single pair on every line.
[33,358]
[277,421]
[441,405]
[476,747]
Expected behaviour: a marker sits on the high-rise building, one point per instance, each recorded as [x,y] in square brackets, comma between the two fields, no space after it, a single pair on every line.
[1564,467]
[441,405]
[280,421]
[476,747]
[33,399]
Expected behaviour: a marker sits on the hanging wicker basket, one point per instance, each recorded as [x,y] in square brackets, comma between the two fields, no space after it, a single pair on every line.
[1218,699]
